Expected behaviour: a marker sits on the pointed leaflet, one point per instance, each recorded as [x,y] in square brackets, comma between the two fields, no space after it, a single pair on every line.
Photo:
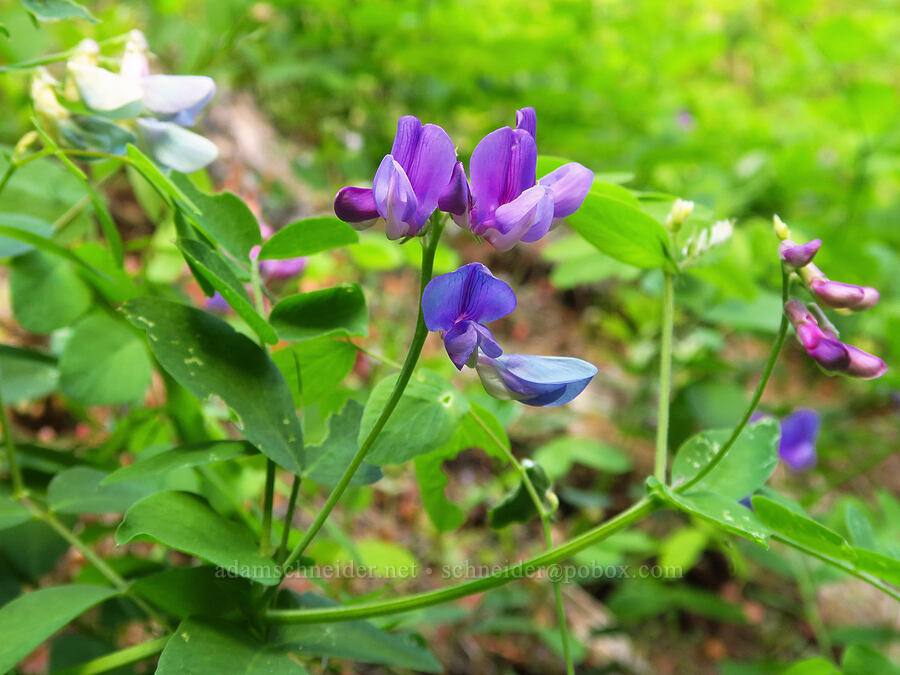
[32,618]
[326,463]
[308,236]
[186,523]
[207,356]
[190,455]
[336,311]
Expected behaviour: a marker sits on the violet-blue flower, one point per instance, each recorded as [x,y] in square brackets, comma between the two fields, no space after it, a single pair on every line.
[460,303]
[799,432]
[543,381]
[408,183]
[507,204]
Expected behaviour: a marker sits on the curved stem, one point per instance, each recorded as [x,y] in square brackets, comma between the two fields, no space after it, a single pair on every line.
[11,458]
[665,377]
[757,395]
[288,519]
[428,250]
[123,657]
[548,535]
[519,570]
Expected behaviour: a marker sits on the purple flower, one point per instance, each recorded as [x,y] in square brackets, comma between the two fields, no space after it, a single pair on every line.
[799,431]
[798,255]
[408,183]
[506,204]
[216,304]
[543,381]
[823,346]
[278,270]
[835,293]
[459,303]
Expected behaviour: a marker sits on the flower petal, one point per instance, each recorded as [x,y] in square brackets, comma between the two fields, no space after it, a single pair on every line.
[428,158]
[527,218]
[176,147]
[526,119]
[471,293]
[395,199]
[798,255]
[836,294]
[503,165]
[864,365]
[799,432]
[535,380]
[105,92]
[570,184]
[455,198]
[178,97]
[465,338]
[356,206]
[282,269]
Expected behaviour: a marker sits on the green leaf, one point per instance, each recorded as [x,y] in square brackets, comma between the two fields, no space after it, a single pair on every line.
[30,619]
[12,513]
[197,454]
[445,515]
[518,506]
[50,247]
[863,659]
[859,528]
[216,271]
[104,363]
[119,286]
[206,646]
[558,456]
[336,311]
[723,512]
[186,523]
[746,466]
[354,640]
[207,356]
[424,419]
[79,490]
[813,666]
[47,292]
[195,591]
[163,185]
[801,529]
[325,464]
[26,374]
[882,566]
[622,232]
[9,247]
[223,217]
[308,236]
[57,10]
[323,365]
[682,549]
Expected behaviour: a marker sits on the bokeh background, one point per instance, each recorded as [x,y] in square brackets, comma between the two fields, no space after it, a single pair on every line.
[747,108]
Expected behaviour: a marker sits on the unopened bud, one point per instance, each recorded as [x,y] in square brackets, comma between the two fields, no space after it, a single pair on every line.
[798,255]
[44,98]
[781,230]
[680,212]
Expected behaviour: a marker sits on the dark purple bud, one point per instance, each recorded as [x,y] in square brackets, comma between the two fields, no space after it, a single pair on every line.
[456,199]
[356,206]
[798,255]
[526,119]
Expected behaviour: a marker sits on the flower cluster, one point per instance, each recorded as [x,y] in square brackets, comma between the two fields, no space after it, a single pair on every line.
[813,329]
[501,200]
[128,106]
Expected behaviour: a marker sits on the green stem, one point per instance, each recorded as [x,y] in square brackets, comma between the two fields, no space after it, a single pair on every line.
[123,657]
[373,355]
[665,376]
[10,170]
[288,519]
[757,395]
[11,457]
[428,250]
[518,570]
[265,534]
[548,535]
[841,565]
[91,556]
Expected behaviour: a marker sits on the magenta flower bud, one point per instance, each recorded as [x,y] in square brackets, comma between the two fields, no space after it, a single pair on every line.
[863,365]
[836,294]
[798,255]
